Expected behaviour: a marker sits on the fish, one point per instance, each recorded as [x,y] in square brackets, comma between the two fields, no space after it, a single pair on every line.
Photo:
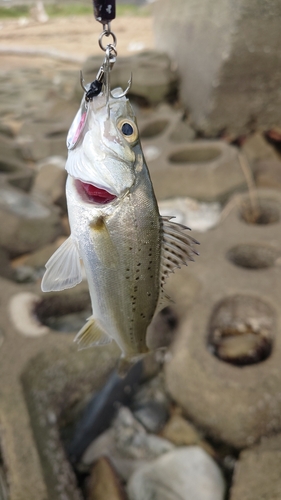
[127,248]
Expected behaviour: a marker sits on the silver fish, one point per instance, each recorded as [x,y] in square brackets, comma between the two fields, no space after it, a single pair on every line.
[126,247]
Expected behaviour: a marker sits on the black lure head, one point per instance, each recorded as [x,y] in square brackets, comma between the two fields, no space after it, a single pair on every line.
[95,86]
[94,90]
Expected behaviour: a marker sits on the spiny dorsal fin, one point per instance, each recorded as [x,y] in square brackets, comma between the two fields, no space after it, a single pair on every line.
[63,269]
[91,335]
[177,247]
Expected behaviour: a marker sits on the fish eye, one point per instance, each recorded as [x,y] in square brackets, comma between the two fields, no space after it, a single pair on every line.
[128,129]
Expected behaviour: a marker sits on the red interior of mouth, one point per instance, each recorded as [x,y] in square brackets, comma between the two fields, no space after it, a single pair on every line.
[96,194]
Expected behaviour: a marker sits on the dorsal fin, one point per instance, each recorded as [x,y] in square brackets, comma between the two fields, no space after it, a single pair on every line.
[178,247]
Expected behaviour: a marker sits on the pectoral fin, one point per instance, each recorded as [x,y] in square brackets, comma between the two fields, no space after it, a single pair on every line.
[63,269]
[103,244]
[91,334]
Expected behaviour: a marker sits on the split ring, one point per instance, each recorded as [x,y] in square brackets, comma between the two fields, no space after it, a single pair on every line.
[107,34]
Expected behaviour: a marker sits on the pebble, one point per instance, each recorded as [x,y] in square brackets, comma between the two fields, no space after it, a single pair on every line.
[200,216]
[26,274]
[105,446]
[104,483]
[133,441]
[152,416]
[154,390]
[186,473]
[180,432]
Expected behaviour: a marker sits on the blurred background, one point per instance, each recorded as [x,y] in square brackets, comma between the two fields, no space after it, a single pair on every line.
[199,417]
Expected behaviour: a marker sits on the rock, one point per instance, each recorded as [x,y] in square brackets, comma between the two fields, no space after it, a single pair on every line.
[38,258]
[191,213]
[105,446]
[257,472]
[154,78]
[49,182]
[153,390]
[187,472]
[232,403]
[236,45]
[180,432]
[152,415]
[26,224]
[104,483]
[132,439]
[26,274]
[12,169]
[8,149]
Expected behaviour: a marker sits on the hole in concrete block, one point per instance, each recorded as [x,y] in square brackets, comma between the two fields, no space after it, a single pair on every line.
[253,256]
[241,330]
[195,155]
[153,129]
[64,312]
[263,213]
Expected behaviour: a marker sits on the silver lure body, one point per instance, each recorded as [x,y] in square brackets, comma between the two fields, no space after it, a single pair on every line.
[126,247]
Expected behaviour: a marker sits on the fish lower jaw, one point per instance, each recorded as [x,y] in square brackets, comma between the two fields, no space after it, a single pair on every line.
[93,194]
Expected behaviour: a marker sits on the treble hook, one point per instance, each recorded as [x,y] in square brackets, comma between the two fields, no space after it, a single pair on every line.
[125,91]
[95,87]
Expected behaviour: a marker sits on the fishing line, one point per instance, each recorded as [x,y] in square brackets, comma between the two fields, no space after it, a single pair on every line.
[104,12]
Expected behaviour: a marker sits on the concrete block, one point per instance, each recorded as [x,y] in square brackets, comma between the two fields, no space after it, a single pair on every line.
[225,365]
[42,380]
[204,169]
[228,56]
[257,472]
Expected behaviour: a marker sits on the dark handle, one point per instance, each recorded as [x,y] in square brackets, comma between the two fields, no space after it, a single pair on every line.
[104,10]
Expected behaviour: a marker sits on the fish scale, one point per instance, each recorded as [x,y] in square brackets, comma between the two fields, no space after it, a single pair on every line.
[126,247]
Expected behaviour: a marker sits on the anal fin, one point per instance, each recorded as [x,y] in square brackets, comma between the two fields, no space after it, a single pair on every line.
[91,335]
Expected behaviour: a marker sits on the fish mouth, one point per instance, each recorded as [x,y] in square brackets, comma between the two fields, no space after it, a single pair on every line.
[93,194]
